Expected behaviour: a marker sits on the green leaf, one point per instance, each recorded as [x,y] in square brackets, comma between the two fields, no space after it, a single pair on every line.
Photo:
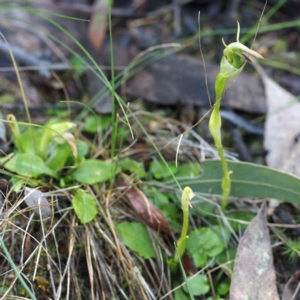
[209,241]
[58,155]
[28,165]
[94,123]
[223,287]
[247,180]
[188,170]
[198,285]
[162,201]
[132,166]
[179,294]
[30,140]
[159,170]
[242,216]
[85,206]
[82,148]
[93,171]
[136,238]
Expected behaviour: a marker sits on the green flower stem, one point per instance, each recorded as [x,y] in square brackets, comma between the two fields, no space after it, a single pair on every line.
[232,63]
[215,124]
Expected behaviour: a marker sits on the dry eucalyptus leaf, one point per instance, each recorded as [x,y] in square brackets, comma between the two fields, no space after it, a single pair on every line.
[291,163]
[98,25]
[254,274]
[36,199]
[282,126]
[145,209]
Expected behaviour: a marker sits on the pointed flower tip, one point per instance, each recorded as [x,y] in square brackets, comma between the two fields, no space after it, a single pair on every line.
[238,47]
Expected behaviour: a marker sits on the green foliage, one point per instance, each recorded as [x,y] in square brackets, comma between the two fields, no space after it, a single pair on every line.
[180,294]
[223,287]
[28,165]
[163,201]
[248,180]
[159,170]
[132,167]
[291,249]
[197,285]
[136,238]
[95,123]
[93,171]
[58,156]
[241,216]
[207,242]
[85,206]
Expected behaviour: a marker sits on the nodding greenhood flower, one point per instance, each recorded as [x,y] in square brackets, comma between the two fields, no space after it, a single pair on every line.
[235,57]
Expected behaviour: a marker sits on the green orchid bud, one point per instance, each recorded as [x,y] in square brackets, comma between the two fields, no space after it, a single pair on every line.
[186,197]
[16,132]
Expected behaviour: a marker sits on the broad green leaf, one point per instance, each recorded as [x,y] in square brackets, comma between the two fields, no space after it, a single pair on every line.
[85,206]
[159,170]
[132,166]
[200,258]
[136,238]
[223,287]
[29,165]
[247,180]
[242,216]
[82,148]
[30,140]
[162,201]
[209,241]
[93,171]
[198,285]
[180,294]
[188,170]
[58,155]
[94,123]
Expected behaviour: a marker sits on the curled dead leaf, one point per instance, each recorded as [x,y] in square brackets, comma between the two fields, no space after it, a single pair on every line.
[147,211]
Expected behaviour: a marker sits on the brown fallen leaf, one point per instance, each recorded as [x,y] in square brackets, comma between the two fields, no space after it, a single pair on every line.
[146,210]
[254,274]
[291,289]
[98,25]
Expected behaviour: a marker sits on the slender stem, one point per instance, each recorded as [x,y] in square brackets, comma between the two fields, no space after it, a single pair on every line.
[215,124]
[187,195]
[182,239]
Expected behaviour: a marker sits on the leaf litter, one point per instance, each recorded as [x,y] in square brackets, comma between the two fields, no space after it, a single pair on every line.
[254,275]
